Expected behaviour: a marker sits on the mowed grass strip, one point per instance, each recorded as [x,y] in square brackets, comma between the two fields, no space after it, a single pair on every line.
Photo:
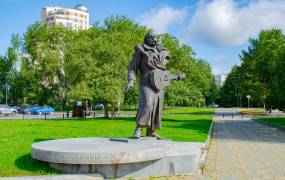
[189,110]
[17,136]
[275,121]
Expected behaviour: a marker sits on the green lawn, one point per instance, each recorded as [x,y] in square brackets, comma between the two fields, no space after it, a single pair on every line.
[274,121]
[181,110]
[17,136]
[189,110]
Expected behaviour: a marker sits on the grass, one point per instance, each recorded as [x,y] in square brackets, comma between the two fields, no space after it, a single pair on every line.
[17,136]
[189,110]
[181,110]
[275,121]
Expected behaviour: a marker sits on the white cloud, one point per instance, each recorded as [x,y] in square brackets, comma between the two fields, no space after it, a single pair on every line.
[159,19]
[219,65]
[223,22]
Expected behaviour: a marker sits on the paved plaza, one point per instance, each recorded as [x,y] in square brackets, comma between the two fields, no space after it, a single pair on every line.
[245,149]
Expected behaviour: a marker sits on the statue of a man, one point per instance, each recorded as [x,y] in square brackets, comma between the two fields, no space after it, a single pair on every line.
[147,58]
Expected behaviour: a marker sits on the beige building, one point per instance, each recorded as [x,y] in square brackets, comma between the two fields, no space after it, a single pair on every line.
[75,18]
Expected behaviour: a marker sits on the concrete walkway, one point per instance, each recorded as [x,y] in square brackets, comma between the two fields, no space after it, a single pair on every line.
[245,149]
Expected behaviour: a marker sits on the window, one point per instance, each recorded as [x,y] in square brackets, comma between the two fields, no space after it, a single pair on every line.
[68,24]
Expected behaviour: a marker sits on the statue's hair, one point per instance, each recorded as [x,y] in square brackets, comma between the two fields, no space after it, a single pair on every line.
[148,35]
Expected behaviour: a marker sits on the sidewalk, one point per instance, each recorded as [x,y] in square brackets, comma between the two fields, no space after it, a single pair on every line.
[245,149]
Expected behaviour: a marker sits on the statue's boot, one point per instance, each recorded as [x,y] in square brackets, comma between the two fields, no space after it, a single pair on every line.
[151,133]
[137,133]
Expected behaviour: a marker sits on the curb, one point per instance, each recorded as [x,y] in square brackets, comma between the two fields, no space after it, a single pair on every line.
[94,176]
[269,124]
[207,142]
[204,149]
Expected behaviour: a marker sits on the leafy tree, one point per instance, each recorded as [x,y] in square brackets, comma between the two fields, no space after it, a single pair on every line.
[193,90]
[262,76]
[59,65]
[230,91]
[45,64]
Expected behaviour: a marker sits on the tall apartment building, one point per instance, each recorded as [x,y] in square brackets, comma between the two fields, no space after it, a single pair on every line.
[220,79]
[75,18]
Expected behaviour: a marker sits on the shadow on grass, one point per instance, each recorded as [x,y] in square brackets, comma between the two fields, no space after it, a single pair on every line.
[27,163]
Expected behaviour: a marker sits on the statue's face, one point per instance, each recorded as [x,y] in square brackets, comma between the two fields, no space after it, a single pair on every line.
[150,40]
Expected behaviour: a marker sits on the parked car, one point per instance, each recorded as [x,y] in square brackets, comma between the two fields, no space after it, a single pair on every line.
[213,106]
[44,110]
[99,106]
[18,108]
[31,109]
[7,110]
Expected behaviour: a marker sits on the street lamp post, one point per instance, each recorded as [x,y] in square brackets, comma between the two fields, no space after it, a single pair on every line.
[6,91]
[248,97]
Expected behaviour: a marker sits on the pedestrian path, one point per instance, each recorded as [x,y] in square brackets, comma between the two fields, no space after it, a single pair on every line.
[245,149]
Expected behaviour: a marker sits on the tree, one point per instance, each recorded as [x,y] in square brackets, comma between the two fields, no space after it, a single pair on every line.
[60,65]
[230,91]
[193,90]
[45,63]
[262,76]
[117,41]
[8,70]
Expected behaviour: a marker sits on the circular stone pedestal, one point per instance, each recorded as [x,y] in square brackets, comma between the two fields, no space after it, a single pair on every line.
[119,157]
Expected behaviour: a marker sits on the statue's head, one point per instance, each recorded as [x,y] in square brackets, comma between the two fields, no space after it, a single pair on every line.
[150,39]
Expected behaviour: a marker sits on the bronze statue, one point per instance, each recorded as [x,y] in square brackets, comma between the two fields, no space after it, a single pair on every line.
[150,60]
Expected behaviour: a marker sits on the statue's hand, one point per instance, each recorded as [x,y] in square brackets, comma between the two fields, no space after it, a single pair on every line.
[129,86]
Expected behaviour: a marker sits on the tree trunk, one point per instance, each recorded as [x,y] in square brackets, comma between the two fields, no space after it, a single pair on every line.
[113,111]
[106,110]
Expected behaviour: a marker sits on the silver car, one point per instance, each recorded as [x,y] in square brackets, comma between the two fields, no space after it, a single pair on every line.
[7,110]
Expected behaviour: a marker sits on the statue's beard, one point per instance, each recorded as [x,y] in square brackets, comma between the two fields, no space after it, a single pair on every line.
[151,43]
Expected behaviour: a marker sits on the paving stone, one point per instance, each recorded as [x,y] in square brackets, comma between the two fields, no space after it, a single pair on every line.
[244,149]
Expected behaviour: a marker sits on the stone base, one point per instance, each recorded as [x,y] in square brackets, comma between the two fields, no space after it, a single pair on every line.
[119,157]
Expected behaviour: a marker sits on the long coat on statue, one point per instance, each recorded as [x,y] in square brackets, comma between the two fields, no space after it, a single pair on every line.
[144,61]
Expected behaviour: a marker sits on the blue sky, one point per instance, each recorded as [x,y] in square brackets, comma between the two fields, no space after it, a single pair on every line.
[217,30]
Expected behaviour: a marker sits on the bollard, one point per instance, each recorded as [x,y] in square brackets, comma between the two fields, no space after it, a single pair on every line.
[223,115]
[94,114]
[232,115]
[241,116]
[63,116]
